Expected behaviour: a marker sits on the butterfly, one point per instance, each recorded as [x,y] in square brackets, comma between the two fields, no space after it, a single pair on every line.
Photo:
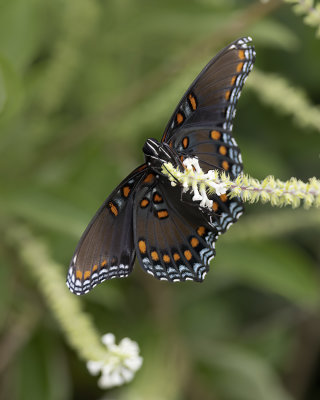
[146,217]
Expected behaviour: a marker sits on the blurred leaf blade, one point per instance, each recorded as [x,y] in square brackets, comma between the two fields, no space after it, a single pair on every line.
[252,377]
[278,268]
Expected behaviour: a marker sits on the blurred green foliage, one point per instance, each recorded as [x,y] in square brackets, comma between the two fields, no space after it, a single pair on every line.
[83,84]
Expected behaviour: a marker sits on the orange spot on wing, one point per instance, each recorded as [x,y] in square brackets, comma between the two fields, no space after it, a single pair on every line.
[104,262]
[179,118]
[170,144]
[223,150]
[215,135]
[233,79]
[185,142]
[187,254]
[113,208]
[149,178]
[224,197]
[79,274]
[154,255]
[193,102]
[142,167]
[201,230]
[241,54]
[162,214]
[227,95]
[144,203]
[215,206]
[126,190]
[166,258]
[176,257]
[239,67]
[225,165]
[157,198]
[87,274]
[194,242]
[142,246]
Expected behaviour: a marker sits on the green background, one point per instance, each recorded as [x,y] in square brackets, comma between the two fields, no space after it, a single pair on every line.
[83,84]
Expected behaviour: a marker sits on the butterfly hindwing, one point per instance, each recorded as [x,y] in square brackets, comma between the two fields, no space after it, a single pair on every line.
[106,248]
[225,212]
[173,240]
[206,132]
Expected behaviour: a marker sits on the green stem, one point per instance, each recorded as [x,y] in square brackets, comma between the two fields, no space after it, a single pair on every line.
[77,325]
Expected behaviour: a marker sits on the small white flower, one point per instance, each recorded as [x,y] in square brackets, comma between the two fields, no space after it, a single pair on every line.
[108,339]
[128,374]
[196,180]
[191,163]
[205,202]
[133,363]
[122,362]
[196,195]
[94,367]
[219,188]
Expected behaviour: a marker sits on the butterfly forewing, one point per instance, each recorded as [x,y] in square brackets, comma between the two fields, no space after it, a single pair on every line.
[201,125]
[211,99]
[106,248]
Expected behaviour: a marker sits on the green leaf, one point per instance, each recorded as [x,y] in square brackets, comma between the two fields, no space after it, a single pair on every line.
[272,33]
[241,374]
[10,90]
[160,377]
[275,267]
[5,288]
[3,92]
[47,212]
[41,370]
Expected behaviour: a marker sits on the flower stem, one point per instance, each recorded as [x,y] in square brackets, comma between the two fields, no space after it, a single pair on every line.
[278,193]
[66,307]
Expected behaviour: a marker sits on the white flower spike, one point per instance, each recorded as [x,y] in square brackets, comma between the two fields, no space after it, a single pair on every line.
[194,179]
[121,364]
[278,193]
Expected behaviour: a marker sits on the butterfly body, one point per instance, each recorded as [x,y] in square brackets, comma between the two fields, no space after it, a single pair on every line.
[156,154]
[171,235]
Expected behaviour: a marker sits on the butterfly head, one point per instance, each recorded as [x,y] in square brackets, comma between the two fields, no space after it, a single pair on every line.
[157,154]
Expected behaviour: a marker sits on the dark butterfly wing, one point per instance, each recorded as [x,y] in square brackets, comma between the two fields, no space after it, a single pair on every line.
[173,240]
[201,125]
[106,248]
[202,121]
[215,150]
[225,212]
